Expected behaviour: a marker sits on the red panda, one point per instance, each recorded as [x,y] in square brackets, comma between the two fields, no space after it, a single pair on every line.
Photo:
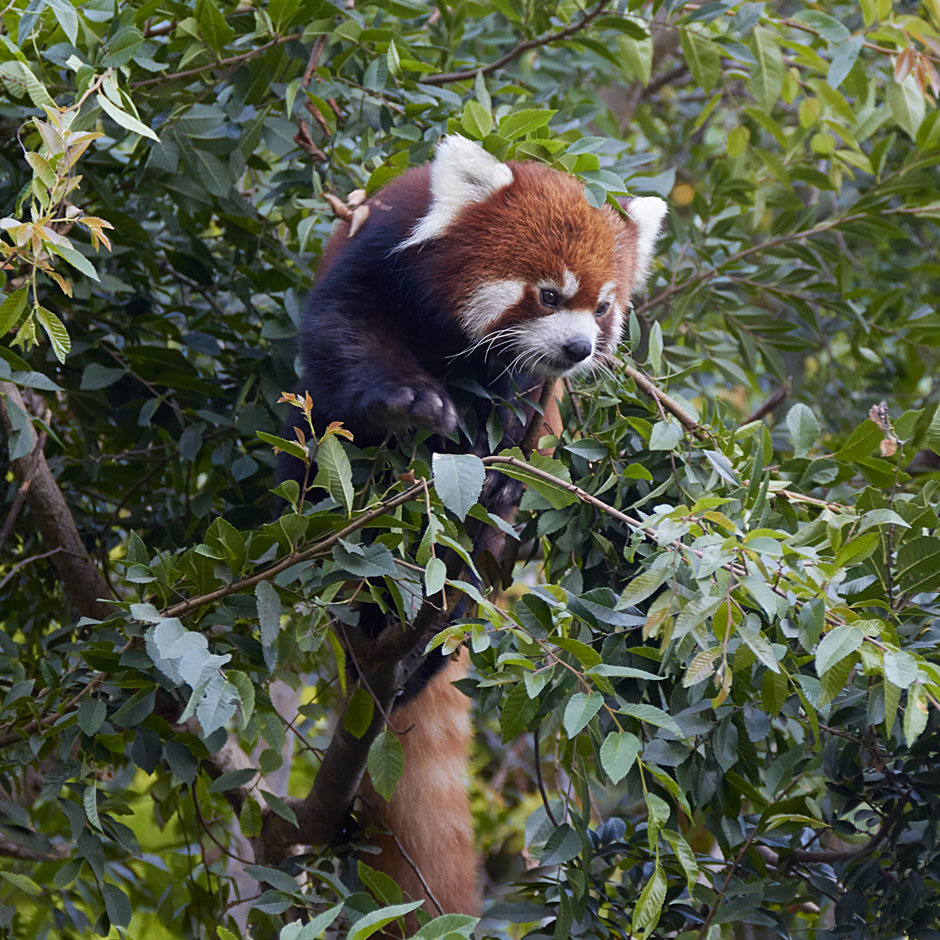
[468,269]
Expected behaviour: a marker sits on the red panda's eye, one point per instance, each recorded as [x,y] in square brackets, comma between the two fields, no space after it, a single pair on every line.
[602,309]
[549,297]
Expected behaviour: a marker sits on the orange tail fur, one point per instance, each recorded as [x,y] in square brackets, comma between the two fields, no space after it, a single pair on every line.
[429,814]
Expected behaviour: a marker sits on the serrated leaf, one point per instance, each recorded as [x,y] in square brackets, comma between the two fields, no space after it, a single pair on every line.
[334,464]
[915,713]
[12,309]
[246,694]
[643,585]
[581,708]
[90,715]
[217,705]
[840,642]
[127,121]
[759,645]
[768,72]
[702,57]
[932,437]
[358,714]
[901,669]
[386,761]
[458,480]
[650,904]
[269,611]
[435,574]
[56,331]
[90,802]
[906,101]
[803,427]
[476,120]
[618,752]
[651,715]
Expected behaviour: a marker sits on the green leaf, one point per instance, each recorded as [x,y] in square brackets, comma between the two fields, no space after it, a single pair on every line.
[90,802]
[232,780]
[56,331]
[858,549]
[523,122]
[22,882]
[290,447]
[683,851]
[371,923]
[279,806]
[836,645]
[901,669]
[843,59]
[702,57]
[803,427]
[618,752]
[269,611]
[665,435]
[95,376]
[907,105]
[650,904]
[581,708]
[386,761]
[476,120]
[702,667]
[91,714]
[759,644]
[12,309]
[915,713]
[933,431]
[458,480]
[127,121]
[117,904]
[435,574]
[768,73]
[212,25]
[918,565]
[76,259]
[359,711]
[644,584]
[651,715]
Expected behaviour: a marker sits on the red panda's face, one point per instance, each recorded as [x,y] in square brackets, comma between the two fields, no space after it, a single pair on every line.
[532,272]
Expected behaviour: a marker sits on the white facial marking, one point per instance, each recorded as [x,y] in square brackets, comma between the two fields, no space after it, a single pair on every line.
[541,343]
[461,174]
[571,284]
[648,213]
[487,303]
[608,293]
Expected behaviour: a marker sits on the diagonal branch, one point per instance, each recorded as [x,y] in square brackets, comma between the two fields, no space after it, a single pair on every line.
[517,50]
[84,585]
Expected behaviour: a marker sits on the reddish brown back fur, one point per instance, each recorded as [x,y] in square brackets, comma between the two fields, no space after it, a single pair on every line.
[429,813]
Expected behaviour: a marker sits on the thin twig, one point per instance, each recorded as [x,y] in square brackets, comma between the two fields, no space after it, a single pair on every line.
[220,63]
[517,50]
[538,776]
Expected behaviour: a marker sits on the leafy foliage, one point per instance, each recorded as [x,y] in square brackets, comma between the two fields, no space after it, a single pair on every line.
[709,703]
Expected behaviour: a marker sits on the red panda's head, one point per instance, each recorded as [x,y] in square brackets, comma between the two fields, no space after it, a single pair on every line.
[529,267]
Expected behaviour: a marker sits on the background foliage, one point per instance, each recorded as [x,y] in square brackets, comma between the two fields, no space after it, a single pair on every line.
[724,641]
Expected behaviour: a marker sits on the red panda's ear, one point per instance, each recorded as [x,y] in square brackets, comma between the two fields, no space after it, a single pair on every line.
[647,213]
[462,173]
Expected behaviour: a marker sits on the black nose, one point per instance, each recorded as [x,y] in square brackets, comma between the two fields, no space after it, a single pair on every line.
[576,349]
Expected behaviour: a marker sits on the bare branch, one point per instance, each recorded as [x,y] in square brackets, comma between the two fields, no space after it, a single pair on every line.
[517,50]
[83,583]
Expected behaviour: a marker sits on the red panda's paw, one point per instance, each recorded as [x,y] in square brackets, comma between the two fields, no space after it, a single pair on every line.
[425,406]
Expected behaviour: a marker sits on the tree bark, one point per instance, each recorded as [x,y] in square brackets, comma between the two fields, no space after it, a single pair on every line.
[84,585]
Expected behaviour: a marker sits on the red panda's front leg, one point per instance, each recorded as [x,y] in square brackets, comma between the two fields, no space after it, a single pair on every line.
[359,371]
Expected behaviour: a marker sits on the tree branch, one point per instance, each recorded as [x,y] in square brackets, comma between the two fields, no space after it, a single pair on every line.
[517,50]
[83,583]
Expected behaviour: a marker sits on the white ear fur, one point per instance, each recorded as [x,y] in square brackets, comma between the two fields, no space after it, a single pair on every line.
[461,173]
[648,213]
